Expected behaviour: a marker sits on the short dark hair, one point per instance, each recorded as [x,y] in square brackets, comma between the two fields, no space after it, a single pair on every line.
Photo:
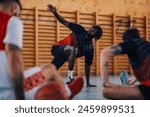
[130,34]
[99,31]
[7,2]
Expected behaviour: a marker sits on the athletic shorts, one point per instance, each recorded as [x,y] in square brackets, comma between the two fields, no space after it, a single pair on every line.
[58,51]
[59,56]
[145,90]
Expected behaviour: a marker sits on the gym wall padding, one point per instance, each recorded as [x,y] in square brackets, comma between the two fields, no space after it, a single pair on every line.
[42,30]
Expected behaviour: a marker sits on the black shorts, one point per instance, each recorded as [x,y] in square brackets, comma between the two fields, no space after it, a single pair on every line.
[58,51]
[145,90]
[59,56]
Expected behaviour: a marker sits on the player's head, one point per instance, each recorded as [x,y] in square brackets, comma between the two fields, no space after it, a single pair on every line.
[131,34]
[96,32]
[12,7]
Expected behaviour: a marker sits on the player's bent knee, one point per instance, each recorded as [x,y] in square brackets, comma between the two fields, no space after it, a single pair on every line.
[50,67]
[69,49]
[74,50]
[49,70]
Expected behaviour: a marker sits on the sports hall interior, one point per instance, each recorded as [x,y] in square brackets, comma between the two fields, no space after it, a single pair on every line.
[42,30]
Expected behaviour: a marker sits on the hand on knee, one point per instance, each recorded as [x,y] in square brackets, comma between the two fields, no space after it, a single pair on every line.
[71,50]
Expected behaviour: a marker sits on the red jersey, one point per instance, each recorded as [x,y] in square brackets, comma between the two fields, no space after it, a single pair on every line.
[69,40]
[4,18]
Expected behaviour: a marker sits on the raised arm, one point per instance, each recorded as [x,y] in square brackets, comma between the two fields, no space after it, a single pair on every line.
[53,10]
[105,55]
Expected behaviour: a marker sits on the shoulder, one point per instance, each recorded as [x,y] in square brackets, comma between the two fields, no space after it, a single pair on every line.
[14,32]
[77,26]
[15,22]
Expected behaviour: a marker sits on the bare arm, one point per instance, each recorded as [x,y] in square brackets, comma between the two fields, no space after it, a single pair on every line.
[53,10]
[105,55]
[15,69]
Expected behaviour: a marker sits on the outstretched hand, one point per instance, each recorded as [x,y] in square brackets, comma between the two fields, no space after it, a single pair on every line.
[51,8]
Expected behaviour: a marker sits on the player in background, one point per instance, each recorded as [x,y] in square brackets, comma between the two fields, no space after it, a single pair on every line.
[77,44]
[138,51]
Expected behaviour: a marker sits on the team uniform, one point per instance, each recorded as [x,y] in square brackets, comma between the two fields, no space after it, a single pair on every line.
[11,31]
[78,38]
[138,51]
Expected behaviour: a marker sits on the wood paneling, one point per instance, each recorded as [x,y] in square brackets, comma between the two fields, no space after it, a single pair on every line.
[42,30]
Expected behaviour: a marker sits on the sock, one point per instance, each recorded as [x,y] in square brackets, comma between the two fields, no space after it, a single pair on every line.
[70,74]
[68,90]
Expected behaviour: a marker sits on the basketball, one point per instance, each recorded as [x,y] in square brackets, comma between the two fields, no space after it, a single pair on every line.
[51,91]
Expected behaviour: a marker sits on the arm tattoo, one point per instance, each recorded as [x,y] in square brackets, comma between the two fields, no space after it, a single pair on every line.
[116,49]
